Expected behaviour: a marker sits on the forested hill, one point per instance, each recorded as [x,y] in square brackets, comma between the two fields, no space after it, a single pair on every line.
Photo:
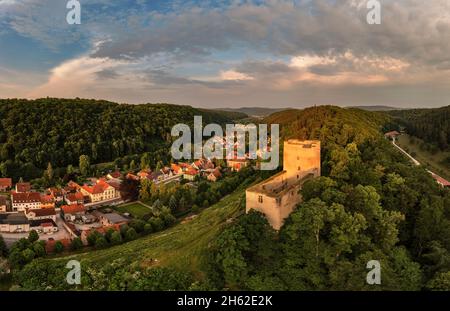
[330,124]
[34,133]
[431,125]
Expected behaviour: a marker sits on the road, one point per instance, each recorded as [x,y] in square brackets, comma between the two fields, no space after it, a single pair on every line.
[406,153]
[411,158]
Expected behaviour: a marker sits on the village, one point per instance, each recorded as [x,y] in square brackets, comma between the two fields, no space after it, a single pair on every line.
[75,210]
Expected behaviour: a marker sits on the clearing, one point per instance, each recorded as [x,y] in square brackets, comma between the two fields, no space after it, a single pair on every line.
[433,162]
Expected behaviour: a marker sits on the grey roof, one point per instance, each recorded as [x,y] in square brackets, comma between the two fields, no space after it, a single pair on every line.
[114,218]
[14,219]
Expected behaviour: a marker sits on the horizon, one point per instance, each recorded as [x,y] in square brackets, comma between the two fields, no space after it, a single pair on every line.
[283,53]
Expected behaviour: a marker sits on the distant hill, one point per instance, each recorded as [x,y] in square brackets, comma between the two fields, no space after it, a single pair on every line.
[374,108]
[254,111]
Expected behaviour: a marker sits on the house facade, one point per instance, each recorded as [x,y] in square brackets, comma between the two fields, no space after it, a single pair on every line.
[101,191]
[14,223]
[22,201]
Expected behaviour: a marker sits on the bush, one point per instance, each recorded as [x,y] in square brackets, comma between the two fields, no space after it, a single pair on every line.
[148,228]
[156,223]
[101,242]
[130,234]
[116,238]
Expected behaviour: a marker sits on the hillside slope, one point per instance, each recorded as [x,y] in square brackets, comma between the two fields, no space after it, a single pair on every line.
[330,124]
[34,133]
[431,125]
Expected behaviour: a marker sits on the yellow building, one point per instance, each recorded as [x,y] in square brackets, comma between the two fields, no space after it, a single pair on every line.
[277,196]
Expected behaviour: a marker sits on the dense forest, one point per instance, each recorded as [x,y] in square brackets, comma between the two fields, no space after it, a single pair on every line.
[431,125]
[58,131]
[371,204]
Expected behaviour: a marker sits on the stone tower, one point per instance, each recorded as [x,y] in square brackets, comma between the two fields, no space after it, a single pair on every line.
[277,196]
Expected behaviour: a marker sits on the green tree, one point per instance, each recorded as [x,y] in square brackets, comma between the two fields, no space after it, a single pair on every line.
[3,247]
[59,247]
[84,165]
[33,236]
[76,244]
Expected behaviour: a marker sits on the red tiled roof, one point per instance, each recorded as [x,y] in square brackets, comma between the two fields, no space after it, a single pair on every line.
[116,174]
[73,209]
[77,196]
[191,171]
[441,180]
[132,176]
[26,197]
[42,212]
[6,182]
[393,133]
[99,187]
[47,198]
[23,186]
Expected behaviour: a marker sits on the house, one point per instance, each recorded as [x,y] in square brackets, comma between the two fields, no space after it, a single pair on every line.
[199,164]
[75,198]
[131,176]
[101,191]
[190,174]
[441,181]
[41,214]
[71,212]
[237,164]
[110,219]
[14,223]
[46,226]
[72,187]
[277,196]
[145,174]
[392,135]
[176,169]
[5,184]
[3,206]
[114,175]
[22,187]
[47,201]
[214,175]
[57,194]
[22,201]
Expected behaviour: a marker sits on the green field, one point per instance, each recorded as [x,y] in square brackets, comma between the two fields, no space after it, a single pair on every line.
[433,162]
[136,209]
[181,246]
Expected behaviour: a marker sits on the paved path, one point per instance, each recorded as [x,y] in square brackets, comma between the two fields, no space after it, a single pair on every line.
[406,153]
[412,159]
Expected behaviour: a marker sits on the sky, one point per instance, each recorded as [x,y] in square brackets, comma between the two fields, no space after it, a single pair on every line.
[228,53]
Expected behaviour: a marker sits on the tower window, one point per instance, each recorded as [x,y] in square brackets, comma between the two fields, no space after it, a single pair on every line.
[260,199]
